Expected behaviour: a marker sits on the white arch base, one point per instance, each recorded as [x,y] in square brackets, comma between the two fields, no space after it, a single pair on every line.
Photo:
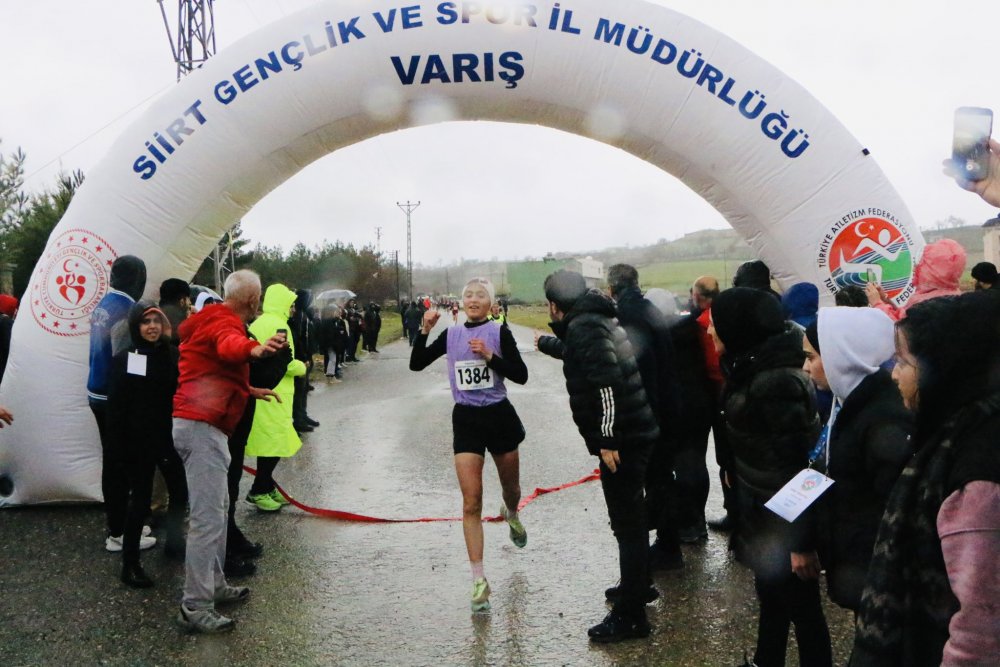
[671,91]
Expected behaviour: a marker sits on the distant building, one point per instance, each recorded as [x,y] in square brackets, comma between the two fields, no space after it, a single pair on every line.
[991,240]
[526,279]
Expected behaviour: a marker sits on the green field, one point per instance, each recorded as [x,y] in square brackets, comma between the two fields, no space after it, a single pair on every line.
[678,276]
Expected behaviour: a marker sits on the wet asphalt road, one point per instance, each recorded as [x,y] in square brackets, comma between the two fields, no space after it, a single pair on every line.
[341,593]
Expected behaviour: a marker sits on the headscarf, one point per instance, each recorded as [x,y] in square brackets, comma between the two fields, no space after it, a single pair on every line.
[856,342]
[8,305]
[137,313]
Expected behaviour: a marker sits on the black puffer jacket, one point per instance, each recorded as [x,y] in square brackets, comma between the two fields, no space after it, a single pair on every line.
[605,390]
[649,334]
[771,423]
[869,447]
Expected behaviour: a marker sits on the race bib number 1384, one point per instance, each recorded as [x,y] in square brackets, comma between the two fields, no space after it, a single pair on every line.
[473,375]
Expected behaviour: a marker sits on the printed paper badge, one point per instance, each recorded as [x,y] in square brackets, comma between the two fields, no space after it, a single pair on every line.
[75,275]
[868,245]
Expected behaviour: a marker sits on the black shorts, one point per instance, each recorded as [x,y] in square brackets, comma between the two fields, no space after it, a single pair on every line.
[495,427]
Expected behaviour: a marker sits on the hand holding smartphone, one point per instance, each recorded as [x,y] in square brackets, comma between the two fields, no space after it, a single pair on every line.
[970,152]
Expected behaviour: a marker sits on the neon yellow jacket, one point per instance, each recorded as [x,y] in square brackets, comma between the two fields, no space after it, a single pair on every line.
[272,433]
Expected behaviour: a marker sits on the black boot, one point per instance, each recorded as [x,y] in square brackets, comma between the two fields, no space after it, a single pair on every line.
[662,557]
[614,593]
[617,627]
[237,568]
[134,576]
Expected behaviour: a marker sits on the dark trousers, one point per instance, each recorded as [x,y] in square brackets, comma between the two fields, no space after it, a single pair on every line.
[623,493]
[264,481]
[783,601]
[299,400]
[140,483]
[692,475]
[724,458]
[237,453]
[661,496]
[114,478]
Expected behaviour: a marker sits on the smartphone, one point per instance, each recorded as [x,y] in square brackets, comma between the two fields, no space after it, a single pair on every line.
[970,150]
[870,275]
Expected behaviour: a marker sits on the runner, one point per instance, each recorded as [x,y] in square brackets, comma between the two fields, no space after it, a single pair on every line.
[454,312]
[481,354]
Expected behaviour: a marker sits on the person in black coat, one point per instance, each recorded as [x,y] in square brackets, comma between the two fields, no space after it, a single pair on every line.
[613,415]
[303,335]
[649,334]
[411,321]
[140,425]
[865,445]
[769,406]
[373,324]
[332,335]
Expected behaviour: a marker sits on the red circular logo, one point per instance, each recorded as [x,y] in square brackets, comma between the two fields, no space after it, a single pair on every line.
[868,245]
[70,281]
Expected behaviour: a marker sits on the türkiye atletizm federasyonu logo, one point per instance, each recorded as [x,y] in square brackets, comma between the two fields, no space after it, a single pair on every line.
[868,245]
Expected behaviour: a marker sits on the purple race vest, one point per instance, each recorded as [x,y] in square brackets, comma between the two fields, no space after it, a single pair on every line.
[472,383]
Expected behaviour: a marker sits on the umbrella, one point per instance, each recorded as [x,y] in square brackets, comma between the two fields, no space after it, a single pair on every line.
[335,295]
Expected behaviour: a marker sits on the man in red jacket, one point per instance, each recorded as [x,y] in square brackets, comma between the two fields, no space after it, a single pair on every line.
[212,391]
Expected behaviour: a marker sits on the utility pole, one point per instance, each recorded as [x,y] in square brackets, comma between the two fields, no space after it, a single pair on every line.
[378,241]
[408,208]
[194,42]
[397,279]
[191,46]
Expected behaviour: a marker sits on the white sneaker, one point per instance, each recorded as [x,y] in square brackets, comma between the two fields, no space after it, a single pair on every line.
[114,544]
[146,531]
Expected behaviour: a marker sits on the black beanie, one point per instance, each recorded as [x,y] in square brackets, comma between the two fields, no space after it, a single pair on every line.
[744,318]
[812,335]
[173,290]
[985,272]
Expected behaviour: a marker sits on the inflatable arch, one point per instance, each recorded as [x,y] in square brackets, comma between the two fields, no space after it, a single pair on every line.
[678,94]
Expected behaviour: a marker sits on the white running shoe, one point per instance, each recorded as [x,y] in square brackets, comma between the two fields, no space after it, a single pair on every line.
[114,544]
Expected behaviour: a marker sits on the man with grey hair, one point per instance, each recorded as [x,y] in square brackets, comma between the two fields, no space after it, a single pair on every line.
[212,391]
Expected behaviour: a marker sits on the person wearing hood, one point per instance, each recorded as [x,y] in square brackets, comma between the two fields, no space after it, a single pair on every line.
[614,417]
[769,408]
[304,344]
[128,280]
[933,584]
[481,355]
[865,444]
[801,303]
[937,274]
[139,422]
[273,436]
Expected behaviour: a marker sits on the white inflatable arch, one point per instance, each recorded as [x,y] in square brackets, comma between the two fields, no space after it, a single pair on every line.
[678,94]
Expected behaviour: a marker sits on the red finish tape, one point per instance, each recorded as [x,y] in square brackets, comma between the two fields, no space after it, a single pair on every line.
[351,516]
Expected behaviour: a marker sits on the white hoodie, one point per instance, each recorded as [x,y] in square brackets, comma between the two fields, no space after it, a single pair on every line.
[853,343]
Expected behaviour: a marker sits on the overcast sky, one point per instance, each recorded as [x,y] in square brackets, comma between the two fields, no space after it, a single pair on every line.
[77,72]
